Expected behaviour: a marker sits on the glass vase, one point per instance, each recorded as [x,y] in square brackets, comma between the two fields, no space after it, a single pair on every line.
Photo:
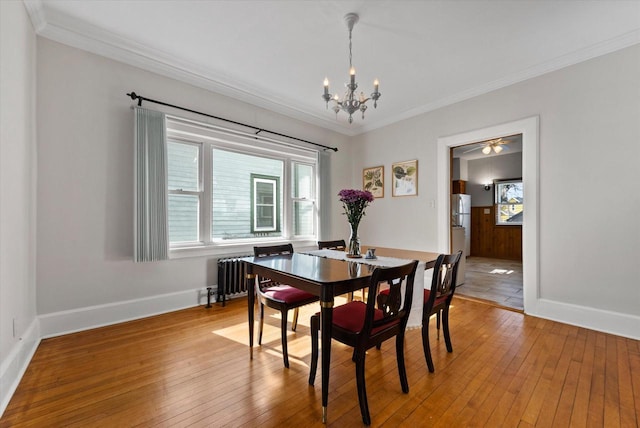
[354,242]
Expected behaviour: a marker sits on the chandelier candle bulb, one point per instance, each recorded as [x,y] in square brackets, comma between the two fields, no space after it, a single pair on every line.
[375,85]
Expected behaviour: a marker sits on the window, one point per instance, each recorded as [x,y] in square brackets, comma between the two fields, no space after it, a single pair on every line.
[185,191]
[509,202]
[265,194]
[226,188]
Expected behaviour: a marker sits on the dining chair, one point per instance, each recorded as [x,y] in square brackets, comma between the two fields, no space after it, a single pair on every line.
[281,297]
[362,326]
[437,300]
[339,245]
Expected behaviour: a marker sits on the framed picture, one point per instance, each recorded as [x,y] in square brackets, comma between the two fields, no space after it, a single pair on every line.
[373,181]
[404,178]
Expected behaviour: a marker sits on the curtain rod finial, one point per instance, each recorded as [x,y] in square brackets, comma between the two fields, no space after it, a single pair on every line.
[135,96]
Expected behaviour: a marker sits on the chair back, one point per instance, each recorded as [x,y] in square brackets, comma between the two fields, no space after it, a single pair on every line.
[443,282]
[273,250]
[396,307]
[270,250]
[338,244]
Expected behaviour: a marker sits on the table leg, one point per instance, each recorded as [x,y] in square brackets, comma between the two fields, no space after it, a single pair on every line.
[251,284]
[326,316]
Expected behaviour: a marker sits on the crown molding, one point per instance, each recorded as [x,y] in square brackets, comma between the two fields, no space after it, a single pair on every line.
[594,51]
[63,29]
[69,31]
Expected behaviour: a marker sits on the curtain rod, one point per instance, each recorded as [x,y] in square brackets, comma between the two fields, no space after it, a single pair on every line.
[140,98]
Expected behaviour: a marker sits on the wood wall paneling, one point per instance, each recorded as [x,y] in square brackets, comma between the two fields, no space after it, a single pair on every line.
[489,240]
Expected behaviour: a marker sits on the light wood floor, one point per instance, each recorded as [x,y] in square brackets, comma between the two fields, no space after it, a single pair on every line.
[493,280]
[192,368]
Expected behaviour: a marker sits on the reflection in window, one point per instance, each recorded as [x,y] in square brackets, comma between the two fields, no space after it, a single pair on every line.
[265,191]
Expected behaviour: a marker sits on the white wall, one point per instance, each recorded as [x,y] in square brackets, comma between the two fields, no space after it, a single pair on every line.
[18,324]
[85,189]
[588,145]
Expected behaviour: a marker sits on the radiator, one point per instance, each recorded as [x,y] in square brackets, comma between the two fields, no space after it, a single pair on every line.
[232,274]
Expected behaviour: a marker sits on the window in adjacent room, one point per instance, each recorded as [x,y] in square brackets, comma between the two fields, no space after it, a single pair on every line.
[509,202]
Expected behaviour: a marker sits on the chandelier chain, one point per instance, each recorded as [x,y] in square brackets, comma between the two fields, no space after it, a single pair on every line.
[350,55]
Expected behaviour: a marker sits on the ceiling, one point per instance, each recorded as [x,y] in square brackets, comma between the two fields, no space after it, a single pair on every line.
[275,54]
[513,144]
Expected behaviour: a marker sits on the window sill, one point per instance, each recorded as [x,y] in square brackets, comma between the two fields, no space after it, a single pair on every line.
[235,249]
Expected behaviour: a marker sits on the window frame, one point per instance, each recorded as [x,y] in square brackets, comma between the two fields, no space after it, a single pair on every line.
[260,178]
[211,137]
[200,193]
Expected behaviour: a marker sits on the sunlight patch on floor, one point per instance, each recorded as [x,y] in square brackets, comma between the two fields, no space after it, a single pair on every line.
[502,271]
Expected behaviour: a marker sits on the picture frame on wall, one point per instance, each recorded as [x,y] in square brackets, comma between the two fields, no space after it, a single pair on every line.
[404,178]
[373,180]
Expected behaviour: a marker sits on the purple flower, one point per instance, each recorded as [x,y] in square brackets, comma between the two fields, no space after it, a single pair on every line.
[354,202]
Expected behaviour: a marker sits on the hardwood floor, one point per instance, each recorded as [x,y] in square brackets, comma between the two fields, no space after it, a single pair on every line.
[192,368]
[493,280]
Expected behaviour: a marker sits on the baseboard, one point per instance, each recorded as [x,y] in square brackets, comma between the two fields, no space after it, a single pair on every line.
[15,364]
[64,322]
[624,325]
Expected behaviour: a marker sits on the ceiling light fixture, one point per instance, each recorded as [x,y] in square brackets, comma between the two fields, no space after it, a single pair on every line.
[496,145]
[351,103]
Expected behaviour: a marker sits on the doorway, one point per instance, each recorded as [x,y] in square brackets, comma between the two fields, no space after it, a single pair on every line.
[529,130]
[491,269]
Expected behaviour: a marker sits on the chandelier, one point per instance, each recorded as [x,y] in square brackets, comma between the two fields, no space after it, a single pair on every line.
[351,102]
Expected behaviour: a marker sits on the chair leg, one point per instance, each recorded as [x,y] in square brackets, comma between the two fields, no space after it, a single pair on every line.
[425,343]
[445,328]
[283,331]
[438,325]
[261,324]
[402,370]
[294,321]
[362,389]
[315,328]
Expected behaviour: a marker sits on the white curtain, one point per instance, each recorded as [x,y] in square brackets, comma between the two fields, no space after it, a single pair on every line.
[150,208]
[324,182]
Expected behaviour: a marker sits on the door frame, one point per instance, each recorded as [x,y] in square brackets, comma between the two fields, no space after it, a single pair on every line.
[528,127]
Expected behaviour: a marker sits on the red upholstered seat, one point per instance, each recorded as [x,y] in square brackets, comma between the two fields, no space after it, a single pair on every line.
[286,294]
[427,293]
[350,317]
[439,300]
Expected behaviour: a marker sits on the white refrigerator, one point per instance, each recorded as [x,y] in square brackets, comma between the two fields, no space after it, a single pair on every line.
[461,217]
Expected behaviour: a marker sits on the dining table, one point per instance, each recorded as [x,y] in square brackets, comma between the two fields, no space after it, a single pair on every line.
[327,274]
